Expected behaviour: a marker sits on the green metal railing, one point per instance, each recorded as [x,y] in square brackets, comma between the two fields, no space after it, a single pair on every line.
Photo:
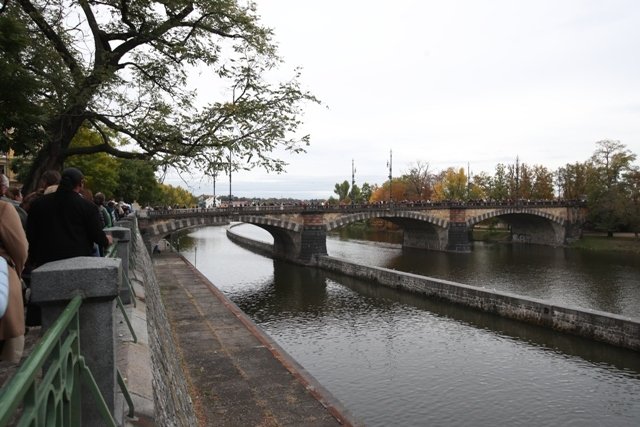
[111,253]
[34,397]
[46,389]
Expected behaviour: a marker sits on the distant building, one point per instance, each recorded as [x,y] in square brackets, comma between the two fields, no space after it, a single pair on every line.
[208,202]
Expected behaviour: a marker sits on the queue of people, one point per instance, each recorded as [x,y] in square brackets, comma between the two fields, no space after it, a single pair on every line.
[60,220]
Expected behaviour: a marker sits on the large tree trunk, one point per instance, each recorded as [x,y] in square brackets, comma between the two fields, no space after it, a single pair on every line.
[63,129]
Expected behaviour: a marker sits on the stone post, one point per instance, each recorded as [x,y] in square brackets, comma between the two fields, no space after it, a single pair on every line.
[122,238]
[97,279]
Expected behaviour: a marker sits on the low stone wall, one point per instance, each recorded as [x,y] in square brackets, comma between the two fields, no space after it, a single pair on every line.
[254,245]
[173,405]
[600,326]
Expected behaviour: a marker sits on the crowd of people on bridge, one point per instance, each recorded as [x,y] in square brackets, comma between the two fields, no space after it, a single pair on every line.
[61,219]
[383,204]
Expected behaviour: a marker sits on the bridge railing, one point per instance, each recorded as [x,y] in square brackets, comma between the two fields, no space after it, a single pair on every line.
[62,382]
[250,209]
[53,397]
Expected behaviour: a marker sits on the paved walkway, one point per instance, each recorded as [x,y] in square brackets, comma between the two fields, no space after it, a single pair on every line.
[238,375]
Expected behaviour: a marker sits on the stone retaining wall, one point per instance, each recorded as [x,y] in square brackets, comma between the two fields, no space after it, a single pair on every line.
[173,405]
[600,326]
[254,245]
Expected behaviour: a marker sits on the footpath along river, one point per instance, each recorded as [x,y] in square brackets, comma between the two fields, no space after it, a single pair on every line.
[401,360]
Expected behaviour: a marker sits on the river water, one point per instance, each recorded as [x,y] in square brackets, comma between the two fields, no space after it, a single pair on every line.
[397,359]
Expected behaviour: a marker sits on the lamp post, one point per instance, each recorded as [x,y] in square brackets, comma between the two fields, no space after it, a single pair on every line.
[353,180]
[390,165]
[230,200]
[214,175]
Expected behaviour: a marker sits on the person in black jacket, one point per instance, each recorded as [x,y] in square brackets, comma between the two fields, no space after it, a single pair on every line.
[63,224]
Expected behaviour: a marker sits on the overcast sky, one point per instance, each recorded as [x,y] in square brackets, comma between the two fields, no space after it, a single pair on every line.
[451,83]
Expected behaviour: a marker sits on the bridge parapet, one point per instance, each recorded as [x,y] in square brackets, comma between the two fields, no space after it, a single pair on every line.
[441,206]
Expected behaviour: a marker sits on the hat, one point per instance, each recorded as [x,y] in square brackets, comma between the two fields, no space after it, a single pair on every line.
[4,180]
[71,178]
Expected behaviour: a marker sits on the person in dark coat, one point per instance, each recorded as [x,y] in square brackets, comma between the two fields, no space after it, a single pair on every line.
[63,224]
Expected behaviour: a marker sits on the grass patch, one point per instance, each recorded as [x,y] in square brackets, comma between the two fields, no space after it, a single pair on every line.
[604,243]
[490,235]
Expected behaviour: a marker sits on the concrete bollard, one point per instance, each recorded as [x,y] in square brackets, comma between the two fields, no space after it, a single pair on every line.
[98,280]
[122,237]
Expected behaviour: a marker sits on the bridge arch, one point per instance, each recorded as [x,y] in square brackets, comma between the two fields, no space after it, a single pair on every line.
[420,230]
[154,232]
[264,221]
[286,234]
[513,211]
[388,215]
[527,225]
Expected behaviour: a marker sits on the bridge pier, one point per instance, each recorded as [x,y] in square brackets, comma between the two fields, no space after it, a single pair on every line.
[458,237]
[458,240]
[572,232]
[313,238]
[424,237]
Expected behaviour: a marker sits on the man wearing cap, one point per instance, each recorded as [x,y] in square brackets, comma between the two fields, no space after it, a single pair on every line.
[63,224]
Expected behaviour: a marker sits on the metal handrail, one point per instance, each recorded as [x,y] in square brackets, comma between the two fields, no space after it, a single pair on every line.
[126,319]
[111,251]
[55,394]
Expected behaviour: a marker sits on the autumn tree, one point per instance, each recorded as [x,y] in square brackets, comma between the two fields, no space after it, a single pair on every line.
[607,198]
[572,180]
[633,201]
[451,185]
[483,184]
[419,180]
[390,191]
[169,195]
[122,68]
[542,188]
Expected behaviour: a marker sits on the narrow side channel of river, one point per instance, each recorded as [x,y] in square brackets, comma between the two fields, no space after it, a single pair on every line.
[396,359]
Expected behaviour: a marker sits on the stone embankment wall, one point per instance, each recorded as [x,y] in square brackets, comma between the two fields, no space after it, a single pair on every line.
[254,245]
[173,405]
[600,326]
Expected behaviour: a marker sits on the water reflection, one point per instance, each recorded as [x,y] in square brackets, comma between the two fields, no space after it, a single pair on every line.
[394,358]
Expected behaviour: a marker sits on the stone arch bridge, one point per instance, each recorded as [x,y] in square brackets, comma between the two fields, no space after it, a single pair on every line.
[299,231]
